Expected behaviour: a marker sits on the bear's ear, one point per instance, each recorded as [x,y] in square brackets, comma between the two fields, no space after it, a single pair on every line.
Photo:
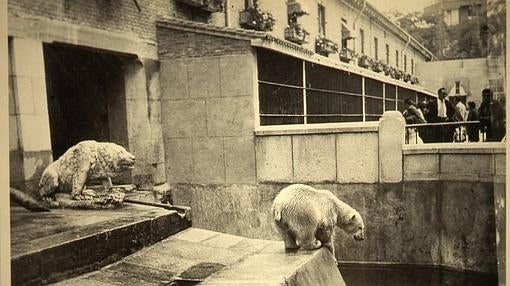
[353,217]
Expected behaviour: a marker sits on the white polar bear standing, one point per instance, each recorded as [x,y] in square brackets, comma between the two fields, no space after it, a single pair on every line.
[306,217]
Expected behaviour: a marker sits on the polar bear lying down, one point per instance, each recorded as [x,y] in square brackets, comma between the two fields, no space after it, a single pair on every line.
[306,217]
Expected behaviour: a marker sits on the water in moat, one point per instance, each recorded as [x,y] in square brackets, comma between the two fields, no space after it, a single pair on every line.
[409,275]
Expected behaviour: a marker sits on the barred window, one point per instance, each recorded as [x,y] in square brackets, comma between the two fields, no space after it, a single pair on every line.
[295,91]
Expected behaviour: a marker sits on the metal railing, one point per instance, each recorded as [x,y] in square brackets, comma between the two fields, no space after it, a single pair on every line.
[448,132]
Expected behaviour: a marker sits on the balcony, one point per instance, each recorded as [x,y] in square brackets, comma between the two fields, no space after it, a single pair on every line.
[254,18]
[325,46]
[347,55]
[296,34]
[210,6]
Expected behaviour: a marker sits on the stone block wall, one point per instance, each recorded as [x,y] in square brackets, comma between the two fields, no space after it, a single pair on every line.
[320,158]
[207,108]
[114,16]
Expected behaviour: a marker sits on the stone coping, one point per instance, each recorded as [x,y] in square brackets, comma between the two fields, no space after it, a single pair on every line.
[326,128]
[455,148]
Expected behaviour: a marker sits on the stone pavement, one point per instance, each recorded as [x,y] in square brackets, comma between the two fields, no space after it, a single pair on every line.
[48,247]
[196,256]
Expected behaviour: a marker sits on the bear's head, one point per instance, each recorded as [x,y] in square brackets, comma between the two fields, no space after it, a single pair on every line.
[355,226]
[119,158]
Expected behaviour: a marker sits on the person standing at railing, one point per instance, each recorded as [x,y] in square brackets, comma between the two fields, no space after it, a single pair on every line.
[441,110]
[460,110]
[460,115]
[492,116]
[413,115]
[473,130]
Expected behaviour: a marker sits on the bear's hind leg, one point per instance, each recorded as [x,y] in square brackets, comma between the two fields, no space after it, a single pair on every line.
[307,240]
[288,237]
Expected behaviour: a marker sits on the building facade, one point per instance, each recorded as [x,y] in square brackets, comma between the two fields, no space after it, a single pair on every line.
[455,12]
[466,78]
[81,70]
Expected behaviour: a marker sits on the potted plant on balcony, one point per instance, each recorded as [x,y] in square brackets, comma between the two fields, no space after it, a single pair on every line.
[407,77]
[364,61]
[346,55]
[256,19]
[296,34]
[387,70]
[414,80]
[325,46]
[399,74]
[377,66]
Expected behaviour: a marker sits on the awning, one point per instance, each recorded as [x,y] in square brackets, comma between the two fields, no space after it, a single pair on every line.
[347,33]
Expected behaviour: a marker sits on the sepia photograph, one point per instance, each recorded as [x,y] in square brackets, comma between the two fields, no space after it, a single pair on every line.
[253,142]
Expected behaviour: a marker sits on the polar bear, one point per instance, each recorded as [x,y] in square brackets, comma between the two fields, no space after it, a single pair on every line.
[306,217]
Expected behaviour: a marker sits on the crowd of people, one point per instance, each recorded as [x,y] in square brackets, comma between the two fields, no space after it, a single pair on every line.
[488,119]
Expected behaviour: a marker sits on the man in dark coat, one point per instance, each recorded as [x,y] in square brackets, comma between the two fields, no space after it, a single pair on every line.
[492,117]
[441,110]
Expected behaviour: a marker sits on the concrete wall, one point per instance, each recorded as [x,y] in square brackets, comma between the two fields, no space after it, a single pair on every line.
[440,212]
[473,75]
[207,109]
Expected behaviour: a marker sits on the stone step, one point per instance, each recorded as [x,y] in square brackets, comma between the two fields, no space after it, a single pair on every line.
[48,247]
[201,257]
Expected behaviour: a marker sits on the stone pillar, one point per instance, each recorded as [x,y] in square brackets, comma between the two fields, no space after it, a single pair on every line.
[143,110]
[29,131]
[156,148]
[391,140]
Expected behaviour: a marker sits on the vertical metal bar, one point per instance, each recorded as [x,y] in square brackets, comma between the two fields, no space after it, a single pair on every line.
[384,97]
[363,97]
[305,118]
[396,97]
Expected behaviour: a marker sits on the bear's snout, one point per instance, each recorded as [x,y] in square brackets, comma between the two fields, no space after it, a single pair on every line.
[359,236]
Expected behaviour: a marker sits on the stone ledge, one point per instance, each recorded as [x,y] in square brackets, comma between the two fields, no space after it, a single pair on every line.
[47,247]
[326,128]
[455,148]
[203,257]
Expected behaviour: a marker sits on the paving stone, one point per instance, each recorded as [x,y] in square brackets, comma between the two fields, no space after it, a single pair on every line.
[224,240]
[195,235]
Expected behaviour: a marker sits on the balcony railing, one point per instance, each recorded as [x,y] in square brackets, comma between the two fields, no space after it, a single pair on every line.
[256,19]
[450,132]
[296,34]
[325,46]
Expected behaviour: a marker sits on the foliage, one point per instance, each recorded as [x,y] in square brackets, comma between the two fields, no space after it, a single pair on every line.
[474,38]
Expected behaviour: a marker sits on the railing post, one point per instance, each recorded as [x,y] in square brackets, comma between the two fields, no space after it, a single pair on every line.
[391,140]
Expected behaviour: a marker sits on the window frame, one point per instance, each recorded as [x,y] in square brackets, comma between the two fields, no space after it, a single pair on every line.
[321,19]
[362,40]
